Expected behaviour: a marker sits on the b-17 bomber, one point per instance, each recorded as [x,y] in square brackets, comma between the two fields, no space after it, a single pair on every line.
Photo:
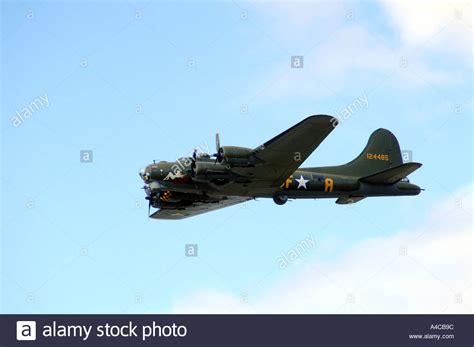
[202,182]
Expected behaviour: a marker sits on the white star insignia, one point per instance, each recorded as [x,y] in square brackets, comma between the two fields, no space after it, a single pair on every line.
[301,182]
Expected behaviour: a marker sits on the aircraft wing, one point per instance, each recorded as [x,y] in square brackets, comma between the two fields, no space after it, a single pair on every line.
[283,154]
[197,208]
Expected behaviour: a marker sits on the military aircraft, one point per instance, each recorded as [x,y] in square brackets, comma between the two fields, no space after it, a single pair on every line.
[201,183]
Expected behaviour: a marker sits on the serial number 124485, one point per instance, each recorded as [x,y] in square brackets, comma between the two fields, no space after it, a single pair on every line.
[374,156]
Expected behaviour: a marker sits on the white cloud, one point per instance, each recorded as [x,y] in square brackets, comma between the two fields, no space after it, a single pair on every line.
[435,275]
[348,56]
[440,25]
[351,56]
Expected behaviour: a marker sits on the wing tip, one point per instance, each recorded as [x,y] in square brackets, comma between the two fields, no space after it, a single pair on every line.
[323,118]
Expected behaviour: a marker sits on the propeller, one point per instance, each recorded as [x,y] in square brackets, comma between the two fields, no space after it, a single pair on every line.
[148,197]
[219,151]
[218,142]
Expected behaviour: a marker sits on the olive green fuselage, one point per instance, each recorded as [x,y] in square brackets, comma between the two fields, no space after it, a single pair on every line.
[181,183]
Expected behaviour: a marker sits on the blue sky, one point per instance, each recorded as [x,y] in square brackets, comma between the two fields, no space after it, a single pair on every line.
[135,82]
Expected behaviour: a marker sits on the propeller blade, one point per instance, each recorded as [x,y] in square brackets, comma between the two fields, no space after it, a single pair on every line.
[218,142]
[149,207]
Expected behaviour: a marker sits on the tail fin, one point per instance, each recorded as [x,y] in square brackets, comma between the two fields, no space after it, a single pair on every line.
[380,161]
[382,152]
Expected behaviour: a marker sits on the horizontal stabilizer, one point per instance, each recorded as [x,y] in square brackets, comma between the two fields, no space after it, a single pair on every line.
[345,200]
[392,175]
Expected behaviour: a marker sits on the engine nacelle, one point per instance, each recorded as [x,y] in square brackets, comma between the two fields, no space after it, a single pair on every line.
[236,156]
[169,198]
[207,171]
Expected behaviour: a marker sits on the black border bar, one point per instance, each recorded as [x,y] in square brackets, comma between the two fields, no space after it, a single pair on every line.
[248,330]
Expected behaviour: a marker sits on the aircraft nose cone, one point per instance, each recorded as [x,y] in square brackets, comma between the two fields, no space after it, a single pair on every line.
[144,174]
